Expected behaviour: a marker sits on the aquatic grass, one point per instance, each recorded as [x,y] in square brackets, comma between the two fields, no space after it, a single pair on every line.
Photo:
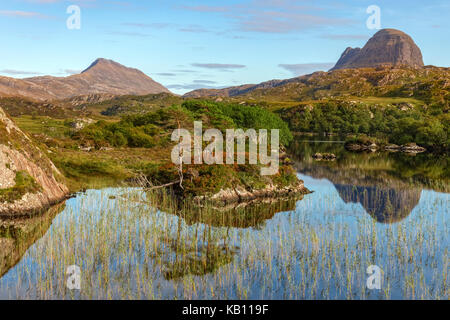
[128,249]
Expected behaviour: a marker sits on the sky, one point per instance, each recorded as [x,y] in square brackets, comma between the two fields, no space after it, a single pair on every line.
[193,44]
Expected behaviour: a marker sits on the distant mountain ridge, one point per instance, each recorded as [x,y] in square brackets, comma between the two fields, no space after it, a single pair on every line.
[101,77]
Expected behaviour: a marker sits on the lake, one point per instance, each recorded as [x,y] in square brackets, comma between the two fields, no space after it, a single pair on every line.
[389,210]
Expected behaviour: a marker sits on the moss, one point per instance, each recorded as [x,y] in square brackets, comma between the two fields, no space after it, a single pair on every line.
[24,184]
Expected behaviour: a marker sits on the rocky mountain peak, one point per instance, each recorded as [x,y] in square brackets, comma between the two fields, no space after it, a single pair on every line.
[104,64]
[386,47]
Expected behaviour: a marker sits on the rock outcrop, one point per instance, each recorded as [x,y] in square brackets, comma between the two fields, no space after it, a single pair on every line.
[29,181]
[387,47]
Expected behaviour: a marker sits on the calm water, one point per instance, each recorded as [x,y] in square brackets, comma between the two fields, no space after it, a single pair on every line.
[389,210]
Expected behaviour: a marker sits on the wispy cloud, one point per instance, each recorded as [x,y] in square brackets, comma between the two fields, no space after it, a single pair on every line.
[71,71]
[155,25]
[22,14]
[129,34]
[204,81]
[191,86]
[284,22]
[194,29]
[166,74]
[19,72]
[44,1]
[305,68]
[219,66]
[207,8]
[346,37]
[274,16]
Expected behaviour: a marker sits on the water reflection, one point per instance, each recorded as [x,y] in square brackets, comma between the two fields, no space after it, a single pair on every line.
[385,205]
[388,186]
[316,248]
[242,215]
[17,235]
[204,251]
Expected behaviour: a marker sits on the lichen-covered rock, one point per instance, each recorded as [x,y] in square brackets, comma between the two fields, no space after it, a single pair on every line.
[29,181]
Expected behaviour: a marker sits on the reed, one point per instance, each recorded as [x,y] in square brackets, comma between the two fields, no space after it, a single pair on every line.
[127,248]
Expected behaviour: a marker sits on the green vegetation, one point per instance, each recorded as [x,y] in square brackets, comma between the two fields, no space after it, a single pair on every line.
[154,128]
[109,152]
[210,179]
[383,169]
[399,124]
[51,127]
[24,184]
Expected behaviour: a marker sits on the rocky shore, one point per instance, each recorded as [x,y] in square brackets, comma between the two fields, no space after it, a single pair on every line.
[240,194]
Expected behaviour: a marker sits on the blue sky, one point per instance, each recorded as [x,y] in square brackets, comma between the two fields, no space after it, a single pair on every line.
[199,44]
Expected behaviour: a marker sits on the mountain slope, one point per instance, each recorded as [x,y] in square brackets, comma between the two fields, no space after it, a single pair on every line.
[102,77]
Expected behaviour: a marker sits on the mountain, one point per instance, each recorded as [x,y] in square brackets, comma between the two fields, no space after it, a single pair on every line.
[389,64]
[101,77]
[29,181]
[386,47]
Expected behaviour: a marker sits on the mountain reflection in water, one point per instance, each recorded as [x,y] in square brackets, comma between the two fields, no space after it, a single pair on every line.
[383,204]
[375,180]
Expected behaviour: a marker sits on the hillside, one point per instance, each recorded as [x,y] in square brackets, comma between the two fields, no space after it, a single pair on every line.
[428,84]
